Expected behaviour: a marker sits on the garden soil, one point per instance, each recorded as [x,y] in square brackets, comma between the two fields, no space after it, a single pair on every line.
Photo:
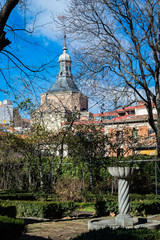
[64,229]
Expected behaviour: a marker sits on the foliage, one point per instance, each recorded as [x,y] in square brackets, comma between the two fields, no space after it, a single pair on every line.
[93,197]
[111,207]
[86,140]
[69,189]
[6,210]
[11,228]
[120,234]
[23,196]
[137,207]
[148,197]
[29,163]
[100,207]
[123,30]
[87,147]
[27,160]
[51,210]
[145,207]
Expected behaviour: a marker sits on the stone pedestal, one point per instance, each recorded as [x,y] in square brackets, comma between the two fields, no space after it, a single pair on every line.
[124,220]
[123,174]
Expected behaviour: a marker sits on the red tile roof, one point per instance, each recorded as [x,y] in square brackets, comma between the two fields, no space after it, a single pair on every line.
[115,112]
[26,120]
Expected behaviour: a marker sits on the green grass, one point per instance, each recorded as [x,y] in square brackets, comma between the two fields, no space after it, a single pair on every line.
[86,207]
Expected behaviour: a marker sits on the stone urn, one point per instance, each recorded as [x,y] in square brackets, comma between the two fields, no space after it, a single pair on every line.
[123,174]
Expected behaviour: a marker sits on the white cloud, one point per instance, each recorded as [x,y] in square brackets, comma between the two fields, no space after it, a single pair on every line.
[48,7]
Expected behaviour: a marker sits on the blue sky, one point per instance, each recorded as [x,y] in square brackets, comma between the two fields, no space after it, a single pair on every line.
[43,46]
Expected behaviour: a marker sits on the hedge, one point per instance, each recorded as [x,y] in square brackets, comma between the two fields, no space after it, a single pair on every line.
[93,197]
[137,208]
[120,234]
[50,210]
[11,228]
[145,207]
[6,210]
[109,197]
[23,196]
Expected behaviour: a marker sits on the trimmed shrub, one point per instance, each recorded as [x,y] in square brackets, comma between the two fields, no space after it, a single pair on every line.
[23,196]
[145,207]
[137,208]
[104,208]
[6,210]
[112,207]
[90,197]
[136,197]
[120,234]
[51,210]
[11,228]
[100,207]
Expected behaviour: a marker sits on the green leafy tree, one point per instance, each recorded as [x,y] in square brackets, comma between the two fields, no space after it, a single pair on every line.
[87,146]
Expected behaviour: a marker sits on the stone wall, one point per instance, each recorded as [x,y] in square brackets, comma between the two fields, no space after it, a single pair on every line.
[68,100]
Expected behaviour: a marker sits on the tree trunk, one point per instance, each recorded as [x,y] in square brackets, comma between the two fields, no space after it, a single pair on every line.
[4,15]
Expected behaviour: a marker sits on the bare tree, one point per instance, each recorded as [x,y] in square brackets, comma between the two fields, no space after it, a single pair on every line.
[121,38]
[5,12]
[16,33]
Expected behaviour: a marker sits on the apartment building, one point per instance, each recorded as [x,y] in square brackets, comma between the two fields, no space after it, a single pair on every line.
[6,112]
[129,130]
[10,116]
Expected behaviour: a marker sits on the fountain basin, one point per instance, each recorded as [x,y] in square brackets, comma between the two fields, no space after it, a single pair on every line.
[122,172]
[99,223]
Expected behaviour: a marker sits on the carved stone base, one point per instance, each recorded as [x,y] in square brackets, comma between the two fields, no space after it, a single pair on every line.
[124,220]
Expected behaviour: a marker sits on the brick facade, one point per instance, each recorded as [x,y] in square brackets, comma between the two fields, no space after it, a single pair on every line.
[68,100]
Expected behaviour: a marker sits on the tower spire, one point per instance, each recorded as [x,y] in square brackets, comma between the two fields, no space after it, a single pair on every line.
[65,48]
[64,81]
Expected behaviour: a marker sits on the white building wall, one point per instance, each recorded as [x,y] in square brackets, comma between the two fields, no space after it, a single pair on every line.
[143,111]
[6,112]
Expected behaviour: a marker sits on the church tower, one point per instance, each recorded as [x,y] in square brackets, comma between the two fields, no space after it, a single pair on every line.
[63,98]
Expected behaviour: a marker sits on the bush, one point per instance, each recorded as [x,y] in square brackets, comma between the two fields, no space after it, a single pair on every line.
[9,211]
[138,208]
[93,197]
[69,190]
[11,228]
[104,208]
[112,207]
[23,196]
[100,207]
[51,210]
[120,234]
[145,207]
[136,197]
